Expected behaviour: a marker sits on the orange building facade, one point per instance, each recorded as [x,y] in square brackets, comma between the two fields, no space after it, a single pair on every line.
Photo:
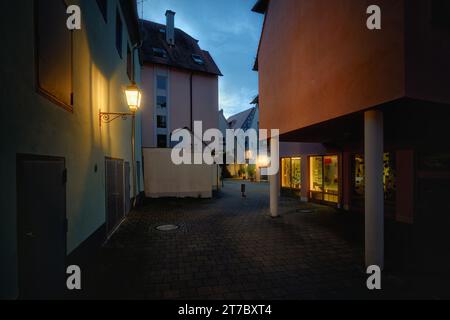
[326,78]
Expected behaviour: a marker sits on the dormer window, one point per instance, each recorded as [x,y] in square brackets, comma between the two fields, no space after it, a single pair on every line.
[198,59]
[160,53]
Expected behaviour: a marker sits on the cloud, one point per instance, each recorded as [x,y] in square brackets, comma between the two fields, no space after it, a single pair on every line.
[233,101]
[230,32]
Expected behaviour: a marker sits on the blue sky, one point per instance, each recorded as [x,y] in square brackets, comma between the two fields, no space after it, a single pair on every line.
[230,32]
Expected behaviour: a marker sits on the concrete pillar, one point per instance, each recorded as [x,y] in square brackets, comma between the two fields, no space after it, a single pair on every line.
[274,180]
[374,197]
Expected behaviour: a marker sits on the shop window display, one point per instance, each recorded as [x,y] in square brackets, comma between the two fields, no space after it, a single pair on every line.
[389,180]
[291,173]
[286,173]
[324,178]
[296,173]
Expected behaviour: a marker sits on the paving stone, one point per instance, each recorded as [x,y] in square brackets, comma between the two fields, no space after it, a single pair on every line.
[227,248]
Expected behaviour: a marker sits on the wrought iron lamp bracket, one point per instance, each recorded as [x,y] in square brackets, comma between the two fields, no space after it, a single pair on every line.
[108,117]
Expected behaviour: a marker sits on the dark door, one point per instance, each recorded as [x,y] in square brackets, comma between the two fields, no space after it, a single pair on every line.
[433,224]
[115,209]
[127,188]
[41,208]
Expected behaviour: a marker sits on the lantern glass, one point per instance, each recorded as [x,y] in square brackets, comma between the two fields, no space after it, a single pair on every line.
[134,97]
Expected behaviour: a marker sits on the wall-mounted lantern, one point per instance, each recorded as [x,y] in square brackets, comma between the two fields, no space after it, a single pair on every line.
[134,97]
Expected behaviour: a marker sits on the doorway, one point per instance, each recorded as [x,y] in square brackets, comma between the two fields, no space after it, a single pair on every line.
[42,226]
[127,194]
[324,179]
[432,219]
[115,206]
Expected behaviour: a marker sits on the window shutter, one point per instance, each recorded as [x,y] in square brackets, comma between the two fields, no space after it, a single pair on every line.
[54,50]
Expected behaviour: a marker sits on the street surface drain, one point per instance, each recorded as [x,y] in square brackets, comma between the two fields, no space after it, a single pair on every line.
[167,227]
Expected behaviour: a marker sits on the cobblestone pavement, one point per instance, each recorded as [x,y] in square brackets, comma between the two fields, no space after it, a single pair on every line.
[229,248]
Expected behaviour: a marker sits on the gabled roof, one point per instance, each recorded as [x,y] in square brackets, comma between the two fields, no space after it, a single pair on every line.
[242,120]
[178,56]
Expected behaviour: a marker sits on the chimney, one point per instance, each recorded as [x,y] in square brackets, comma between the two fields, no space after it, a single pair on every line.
[170,27]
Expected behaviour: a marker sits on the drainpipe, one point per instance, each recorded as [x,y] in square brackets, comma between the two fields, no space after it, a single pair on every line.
[191,101]
[133,128]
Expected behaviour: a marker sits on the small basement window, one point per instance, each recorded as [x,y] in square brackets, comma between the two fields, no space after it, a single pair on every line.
[198,59]
[158,52]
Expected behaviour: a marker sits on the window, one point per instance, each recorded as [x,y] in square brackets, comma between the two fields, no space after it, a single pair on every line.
[330,175]
[198,59]
[129,63]
[440,13]
[324,178]
[389,176]
[161,102]
[162,141]
[291,173]
[286,173]
[161,122]
[316,174]
[103,6]
[434,161]
[161,82]
[158,52]
[296,173]
[359,172]
[54,53]
[119,33]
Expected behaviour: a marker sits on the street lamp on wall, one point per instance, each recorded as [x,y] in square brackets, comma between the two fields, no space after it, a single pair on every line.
[134,98]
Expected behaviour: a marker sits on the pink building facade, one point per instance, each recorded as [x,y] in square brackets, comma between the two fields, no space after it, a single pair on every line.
[180,81]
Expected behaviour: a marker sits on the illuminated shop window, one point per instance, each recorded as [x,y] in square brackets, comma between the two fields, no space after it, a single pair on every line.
[331,178]
[389,177]
[359,170]
[324,178]
[296,173]
[286,172]
[389,180]
[291,173]
[316,174]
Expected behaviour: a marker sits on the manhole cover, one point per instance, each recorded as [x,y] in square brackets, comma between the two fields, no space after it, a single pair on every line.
[167,227]
[305,211]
